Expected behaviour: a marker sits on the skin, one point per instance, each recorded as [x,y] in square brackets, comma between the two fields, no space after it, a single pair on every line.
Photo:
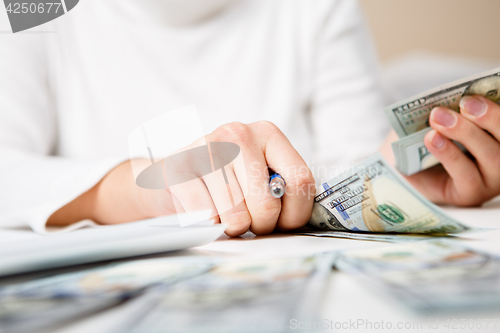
[461,180]
[117,199]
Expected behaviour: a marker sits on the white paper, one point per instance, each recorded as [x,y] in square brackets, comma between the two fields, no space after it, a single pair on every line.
[108,242]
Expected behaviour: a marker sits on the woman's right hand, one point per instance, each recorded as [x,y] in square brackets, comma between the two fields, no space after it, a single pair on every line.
[117,199]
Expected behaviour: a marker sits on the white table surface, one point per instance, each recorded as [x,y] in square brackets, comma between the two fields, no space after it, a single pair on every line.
[347,302]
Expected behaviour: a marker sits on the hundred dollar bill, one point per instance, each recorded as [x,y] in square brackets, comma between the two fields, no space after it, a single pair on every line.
[412,155]
[412,115]
[45,303]
[429,276]
[410,118]
[243,295]
[371,196]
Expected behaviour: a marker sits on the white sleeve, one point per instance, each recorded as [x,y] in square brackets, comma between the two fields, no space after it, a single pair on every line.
[347,119]
[33,185]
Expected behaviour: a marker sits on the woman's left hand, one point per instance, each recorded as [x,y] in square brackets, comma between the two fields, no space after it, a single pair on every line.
[459,180]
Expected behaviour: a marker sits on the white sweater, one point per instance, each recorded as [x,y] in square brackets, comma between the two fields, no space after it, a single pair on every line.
[69,98]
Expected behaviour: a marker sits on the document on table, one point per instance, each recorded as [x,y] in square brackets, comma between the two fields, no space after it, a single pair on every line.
[107,242]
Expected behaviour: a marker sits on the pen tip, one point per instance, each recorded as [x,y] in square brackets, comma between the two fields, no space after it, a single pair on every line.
[276,191]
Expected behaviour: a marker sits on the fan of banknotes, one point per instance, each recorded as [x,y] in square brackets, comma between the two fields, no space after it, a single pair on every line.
[372,201]
[410,117]
[184,294]
[431,276]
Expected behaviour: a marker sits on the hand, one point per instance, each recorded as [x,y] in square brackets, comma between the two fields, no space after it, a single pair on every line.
[117,199]
[460,180]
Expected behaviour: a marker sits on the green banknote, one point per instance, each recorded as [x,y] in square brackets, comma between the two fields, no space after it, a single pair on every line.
[410,117]
[429,276]
[186,294]
[242,295]
[372,197]
[45,303]
[412,114]
[412,155]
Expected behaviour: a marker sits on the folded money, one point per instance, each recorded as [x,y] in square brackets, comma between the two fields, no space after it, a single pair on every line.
[373,197]
[429,276]
[410,117]
[412,155]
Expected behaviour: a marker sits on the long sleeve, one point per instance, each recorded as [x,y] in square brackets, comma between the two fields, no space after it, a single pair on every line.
[34,184]
[345,89]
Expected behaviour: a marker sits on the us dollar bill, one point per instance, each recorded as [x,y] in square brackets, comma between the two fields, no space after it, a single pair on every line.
[412,114]
[46,303]
[372,197]
[410,117]
[412,155]
[429,276]
[242,295]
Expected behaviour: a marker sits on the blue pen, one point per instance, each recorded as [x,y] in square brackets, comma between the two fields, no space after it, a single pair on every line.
[276,184]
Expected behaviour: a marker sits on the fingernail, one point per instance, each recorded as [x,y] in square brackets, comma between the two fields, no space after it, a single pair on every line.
[444,118]
[473,106]
[437,140]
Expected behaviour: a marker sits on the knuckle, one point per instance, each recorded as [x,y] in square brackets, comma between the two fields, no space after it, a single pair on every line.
[232,132]
[198,142]
[495,159]
[267,127]
[300,176]
[495,116]
[466,130]
[451,155]
[267,124]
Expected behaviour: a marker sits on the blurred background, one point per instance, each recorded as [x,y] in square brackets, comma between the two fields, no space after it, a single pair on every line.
[425,43]
[452,27]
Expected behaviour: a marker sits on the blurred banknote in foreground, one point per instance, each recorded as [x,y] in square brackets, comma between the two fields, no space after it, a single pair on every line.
[410,117]
[429,276]
[47,302]
[187,294]
[244,295]
[372,197]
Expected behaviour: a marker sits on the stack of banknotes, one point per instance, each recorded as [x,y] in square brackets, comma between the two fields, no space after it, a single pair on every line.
[430,276]
[183,294]
[215,294]
[410,117]
[371,201]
